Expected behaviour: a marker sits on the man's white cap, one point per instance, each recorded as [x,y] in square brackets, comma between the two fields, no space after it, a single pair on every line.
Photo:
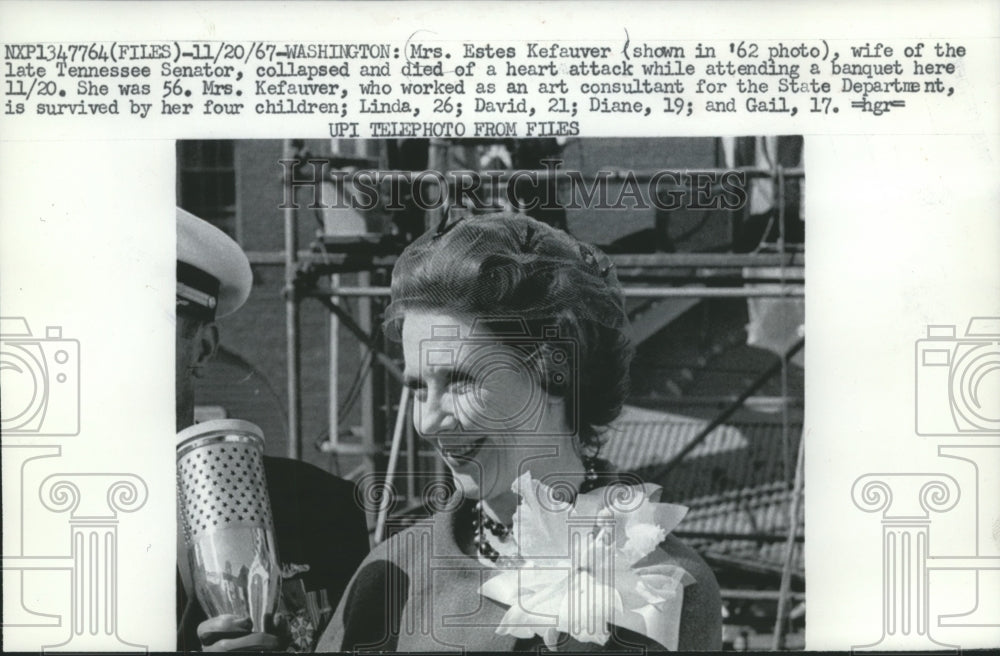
[213,272]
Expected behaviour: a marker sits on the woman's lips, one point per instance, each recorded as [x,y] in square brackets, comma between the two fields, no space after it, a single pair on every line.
[455,452]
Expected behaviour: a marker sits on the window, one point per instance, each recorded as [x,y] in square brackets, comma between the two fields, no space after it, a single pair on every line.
[206,182]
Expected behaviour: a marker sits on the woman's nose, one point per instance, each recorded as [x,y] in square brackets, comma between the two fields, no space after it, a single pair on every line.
[434,415]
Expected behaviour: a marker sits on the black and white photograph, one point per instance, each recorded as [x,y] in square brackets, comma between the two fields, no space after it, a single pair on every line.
[438,327]
[573,365]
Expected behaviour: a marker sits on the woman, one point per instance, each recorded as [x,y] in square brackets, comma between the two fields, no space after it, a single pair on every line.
[515,347]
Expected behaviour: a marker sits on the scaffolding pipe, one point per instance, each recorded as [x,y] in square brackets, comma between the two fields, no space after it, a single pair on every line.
[786,569]
[369,341]
[436,154]
[333,371]
[436,163]
[620,260]
[630,292]
[727,277]
[758,595]
[610,175]
[780,624]
[728,535]
[411,462]
[786,443]
[397,439]
[367,386]
[333,362]
[364,316]
[292,318]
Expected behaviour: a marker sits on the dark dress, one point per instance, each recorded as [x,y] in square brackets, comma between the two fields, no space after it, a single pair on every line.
[322,537]
[418,591]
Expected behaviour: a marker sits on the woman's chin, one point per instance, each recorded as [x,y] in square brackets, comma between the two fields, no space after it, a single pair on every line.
[468,486]
[473,487]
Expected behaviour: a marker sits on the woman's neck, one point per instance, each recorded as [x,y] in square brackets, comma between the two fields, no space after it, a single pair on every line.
[566,473]
[501,508]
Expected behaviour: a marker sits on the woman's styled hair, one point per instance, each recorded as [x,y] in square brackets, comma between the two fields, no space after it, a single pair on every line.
[499,269]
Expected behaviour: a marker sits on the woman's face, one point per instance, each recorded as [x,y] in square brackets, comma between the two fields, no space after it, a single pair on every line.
[481,404]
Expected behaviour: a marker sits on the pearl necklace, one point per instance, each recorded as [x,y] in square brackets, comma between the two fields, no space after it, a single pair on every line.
[481,523]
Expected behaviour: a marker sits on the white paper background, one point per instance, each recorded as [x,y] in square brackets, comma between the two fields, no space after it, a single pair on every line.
[903,231]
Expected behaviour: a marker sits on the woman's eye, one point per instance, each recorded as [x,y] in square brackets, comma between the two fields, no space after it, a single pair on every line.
[418,389]
[461,387]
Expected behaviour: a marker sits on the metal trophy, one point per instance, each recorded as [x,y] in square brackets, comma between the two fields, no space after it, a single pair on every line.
[226,518]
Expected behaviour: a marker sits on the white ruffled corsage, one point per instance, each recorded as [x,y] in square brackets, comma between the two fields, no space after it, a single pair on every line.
[578,568]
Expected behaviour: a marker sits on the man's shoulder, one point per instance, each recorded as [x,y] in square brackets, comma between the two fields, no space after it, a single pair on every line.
[317,521]
[313,508]
[284,473]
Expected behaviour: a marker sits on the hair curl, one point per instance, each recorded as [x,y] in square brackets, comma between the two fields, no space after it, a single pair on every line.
[512,266]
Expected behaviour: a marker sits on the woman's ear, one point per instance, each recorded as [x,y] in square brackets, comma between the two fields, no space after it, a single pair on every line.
[206,344]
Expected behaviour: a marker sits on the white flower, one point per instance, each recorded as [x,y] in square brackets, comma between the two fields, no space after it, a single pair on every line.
[578,567]
[642,539]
